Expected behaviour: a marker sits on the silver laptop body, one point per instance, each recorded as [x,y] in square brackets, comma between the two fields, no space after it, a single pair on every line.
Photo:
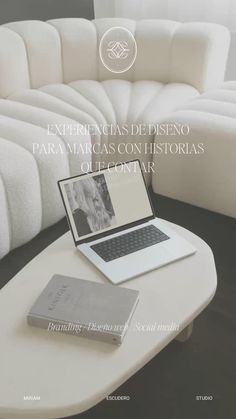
[113,224]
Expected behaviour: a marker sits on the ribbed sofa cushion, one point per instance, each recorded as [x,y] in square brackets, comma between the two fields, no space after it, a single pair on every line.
[66,50]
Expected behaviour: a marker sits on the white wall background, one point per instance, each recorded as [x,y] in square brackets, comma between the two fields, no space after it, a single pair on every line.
[217,11]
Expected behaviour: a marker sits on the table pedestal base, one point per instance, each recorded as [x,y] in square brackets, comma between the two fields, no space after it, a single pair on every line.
[185,334]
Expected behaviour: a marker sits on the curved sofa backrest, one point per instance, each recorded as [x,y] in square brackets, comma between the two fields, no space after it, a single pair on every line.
[35,53]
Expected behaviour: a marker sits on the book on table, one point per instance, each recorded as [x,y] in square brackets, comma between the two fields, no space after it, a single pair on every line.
[84,308]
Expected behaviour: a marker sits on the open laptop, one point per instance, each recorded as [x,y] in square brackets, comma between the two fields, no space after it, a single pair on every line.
[113,224]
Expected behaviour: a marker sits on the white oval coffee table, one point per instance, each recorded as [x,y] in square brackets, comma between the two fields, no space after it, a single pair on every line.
[45,375]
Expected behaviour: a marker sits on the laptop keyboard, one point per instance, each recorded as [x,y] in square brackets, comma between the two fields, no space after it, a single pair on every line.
[129,243]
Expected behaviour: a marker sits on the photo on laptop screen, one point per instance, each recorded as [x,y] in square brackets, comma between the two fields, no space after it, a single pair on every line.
[105,200]
[90,204]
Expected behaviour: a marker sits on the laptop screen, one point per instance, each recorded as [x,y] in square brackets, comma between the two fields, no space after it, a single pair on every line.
[105,200]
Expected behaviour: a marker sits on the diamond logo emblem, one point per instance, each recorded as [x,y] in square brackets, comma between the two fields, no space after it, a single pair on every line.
[118,49]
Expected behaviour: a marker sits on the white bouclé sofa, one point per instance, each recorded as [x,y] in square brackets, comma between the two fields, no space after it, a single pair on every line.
[206,179]
[51,73]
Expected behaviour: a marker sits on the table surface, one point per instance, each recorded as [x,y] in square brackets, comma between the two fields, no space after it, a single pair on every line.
[51,375]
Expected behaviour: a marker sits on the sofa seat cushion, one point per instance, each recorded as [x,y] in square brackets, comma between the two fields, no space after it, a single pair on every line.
[110,101]
[119,110]
[202,176]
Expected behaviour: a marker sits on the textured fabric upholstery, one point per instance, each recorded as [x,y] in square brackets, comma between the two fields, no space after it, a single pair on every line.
[43,49]
[20,196]
[14,63]
[51,73]
[111,102]
[206,179]
[65,50]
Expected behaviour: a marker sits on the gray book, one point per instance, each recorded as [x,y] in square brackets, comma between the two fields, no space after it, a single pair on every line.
[84,308]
